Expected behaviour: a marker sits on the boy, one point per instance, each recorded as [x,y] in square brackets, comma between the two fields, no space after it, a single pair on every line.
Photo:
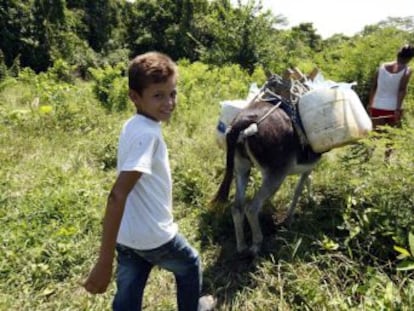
[138,221]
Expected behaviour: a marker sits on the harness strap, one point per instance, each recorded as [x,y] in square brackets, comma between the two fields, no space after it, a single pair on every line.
[253,127]
[269,112]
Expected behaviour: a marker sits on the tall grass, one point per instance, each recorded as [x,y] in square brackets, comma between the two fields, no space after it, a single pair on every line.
[58,165]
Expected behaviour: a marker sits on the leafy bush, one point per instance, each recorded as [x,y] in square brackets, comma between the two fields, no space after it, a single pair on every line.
[62,71]
[377,195]
[110,87]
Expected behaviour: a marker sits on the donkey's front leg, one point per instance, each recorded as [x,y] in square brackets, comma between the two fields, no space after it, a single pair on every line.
[304,179]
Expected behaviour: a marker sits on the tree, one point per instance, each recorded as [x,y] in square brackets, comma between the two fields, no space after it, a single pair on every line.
[15,31]
[28,30]
[162,25]
[306,33]
[101,18]
[235,35]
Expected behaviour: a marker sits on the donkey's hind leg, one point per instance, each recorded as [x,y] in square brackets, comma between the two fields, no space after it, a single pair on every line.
[242,171]
[270,185]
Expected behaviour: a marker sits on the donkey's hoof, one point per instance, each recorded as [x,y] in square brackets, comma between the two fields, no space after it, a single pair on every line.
[255,249]
[288,221]
[246,254]
[241,248]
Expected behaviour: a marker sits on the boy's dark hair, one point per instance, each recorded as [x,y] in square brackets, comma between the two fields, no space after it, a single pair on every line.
[406,52]
[149,68]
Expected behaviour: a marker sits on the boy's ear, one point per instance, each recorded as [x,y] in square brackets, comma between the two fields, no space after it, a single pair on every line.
[133,95]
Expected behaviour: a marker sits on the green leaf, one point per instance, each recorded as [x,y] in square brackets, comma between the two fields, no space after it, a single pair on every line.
[411,242]
[45,109]
[402,251]
[47,292]
[405,266]
[329,244]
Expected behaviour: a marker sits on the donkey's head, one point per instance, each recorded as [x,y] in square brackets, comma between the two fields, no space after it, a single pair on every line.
[275,84]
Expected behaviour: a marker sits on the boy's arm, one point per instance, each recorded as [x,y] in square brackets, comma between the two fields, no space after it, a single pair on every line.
[100,276]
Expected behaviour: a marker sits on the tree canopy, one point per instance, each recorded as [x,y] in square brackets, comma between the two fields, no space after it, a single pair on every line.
[37,33]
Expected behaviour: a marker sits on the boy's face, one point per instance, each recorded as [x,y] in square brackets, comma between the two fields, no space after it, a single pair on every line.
[157,101]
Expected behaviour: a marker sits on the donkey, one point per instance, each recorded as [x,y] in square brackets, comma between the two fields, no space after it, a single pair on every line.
[276,148]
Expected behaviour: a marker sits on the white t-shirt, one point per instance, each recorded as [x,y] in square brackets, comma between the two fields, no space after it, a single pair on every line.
[388,85]
[147,222]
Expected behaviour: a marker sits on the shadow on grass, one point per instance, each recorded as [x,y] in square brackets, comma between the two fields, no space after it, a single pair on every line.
[230,273]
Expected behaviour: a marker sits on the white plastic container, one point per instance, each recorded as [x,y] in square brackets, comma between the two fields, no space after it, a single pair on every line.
[333,117]
[229,109]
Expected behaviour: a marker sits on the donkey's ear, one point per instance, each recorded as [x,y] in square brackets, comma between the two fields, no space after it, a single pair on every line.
[268,73]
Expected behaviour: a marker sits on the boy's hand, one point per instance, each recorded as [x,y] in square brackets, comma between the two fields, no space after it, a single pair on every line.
[99,278]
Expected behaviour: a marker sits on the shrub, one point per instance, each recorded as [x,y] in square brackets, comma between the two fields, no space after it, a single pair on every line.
[110,87]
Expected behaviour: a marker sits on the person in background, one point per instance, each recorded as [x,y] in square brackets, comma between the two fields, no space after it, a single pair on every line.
[138,221]
[389,89]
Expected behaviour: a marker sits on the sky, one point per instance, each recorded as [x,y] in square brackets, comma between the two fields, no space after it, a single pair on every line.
[330,17]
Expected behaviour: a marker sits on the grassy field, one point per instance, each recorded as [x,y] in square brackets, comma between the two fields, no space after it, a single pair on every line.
[58,160]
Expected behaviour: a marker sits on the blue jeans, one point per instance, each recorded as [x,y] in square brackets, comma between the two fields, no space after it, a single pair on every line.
[134,267]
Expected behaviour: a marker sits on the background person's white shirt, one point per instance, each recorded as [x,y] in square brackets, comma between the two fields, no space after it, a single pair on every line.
[388,84]
[147,222]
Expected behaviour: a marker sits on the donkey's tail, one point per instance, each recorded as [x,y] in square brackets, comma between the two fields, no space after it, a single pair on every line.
[224,189]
